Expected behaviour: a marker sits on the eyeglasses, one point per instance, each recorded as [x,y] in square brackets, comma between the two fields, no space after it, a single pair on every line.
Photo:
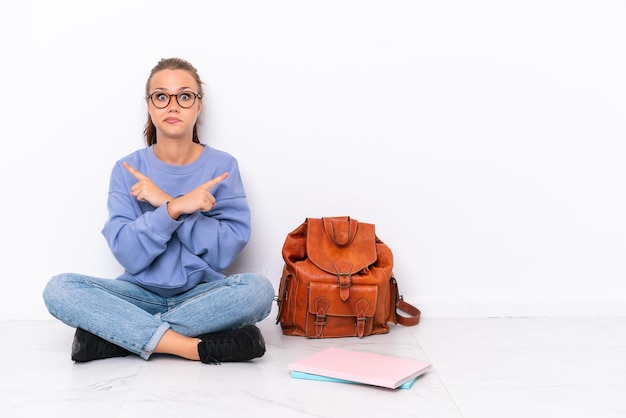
[161,100]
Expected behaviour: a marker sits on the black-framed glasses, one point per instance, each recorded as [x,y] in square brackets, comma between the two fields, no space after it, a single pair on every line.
[185,99]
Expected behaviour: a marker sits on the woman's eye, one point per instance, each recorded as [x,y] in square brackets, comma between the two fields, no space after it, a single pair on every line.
[162,97]
[185,96]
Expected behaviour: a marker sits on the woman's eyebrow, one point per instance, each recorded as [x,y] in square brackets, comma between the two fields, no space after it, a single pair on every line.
[179,89]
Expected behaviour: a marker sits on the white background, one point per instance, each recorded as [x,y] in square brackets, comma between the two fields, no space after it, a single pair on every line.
[485,139]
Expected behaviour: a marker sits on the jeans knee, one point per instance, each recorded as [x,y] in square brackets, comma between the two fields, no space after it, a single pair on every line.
[57,289]
[269,291]
[259,291]
[51,288]
[262,287]
[265,293]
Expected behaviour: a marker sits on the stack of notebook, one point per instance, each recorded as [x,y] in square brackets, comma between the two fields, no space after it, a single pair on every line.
[348,366]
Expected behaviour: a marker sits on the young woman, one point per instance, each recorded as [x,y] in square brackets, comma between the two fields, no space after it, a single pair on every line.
[178,216]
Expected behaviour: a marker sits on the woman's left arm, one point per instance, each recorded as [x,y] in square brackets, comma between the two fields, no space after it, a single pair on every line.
[219,235]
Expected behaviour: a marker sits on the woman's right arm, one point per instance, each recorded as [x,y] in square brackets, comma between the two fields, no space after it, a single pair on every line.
[136,232]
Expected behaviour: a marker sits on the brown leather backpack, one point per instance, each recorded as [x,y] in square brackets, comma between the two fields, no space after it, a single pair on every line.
[338,281]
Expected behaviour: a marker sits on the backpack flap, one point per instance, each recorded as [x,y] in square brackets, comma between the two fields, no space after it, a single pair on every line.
[341,246]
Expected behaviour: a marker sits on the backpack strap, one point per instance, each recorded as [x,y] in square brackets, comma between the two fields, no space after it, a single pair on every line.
[400,304]
[414,313]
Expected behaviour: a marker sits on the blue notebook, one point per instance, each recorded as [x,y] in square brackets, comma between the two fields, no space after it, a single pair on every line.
[309,376]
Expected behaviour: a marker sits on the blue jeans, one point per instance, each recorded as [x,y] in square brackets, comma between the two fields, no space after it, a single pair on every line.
[136,319]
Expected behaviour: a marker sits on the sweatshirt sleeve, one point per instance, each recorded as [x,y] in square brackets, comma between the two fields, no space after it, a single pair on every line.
[136,232]
[219,235]
[152,246]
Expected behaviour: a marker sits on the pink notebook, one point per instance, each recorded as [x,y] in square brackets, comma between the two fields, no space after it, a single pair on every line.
[357,366]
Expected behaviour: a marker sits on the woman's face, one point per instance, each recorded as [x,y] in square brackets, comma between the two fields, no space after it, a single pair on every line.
[173,120]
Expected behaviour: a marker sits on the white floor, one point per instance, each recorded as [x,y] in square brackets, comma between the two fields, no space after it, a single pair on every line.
[504,368]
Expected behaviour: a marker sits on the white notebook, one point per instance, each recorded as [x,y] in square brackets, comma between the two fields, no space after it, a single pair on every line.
[362,367]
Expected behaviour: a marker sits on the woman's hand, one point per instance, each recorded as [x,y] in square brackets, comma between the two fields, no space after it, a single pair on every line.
[145,190]
[199,198]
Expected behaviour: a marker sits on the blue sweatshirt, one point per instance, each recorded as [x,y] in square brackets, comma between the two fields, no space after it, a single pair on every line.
[168,256]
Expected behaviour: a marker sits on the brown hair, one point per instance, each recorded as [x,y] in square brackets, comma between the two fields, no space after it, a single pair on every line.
[149,131]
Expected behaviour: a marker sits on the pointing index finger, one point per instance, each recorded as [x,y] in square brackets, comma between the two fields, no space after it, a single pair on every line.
[132,171]
[216,180]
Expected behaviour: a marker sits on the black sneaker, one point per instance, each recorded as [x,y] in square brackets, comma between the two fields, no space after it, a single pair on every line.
[87,347]
[241,344]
